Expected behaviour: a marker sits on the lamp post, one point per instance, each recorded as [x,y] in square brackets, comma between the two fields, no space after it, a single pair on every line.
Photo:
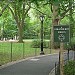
[42,19]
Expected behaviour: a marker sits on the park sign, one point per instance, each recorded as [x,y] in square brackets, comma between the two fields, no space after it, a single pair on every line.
[61,33]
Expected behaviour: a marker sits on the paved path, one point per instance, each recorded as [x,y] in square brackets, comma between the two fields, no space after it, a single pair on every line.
[34,66]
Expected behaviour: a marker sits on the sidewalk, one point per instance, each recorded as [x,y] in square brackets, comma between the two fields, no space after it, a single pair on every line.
[52,72]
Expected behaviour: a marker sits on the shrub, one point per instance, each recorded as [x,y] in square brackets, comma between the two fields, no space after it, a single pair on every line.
[71,44]
[69,68]
[36,44]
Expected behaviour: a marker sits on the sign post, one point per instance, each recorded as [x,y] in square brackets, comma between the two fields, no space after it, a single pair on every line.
[61,35]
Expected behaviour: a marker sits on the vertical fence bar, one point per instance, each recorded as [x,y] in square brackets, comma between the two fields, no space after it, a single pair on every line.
[23,49]
[36,51]
[55,69]
[58,68]
[74,69]
[50,47]
[74,54]
[59,63]
[11,51]
[68,54]
[74,51]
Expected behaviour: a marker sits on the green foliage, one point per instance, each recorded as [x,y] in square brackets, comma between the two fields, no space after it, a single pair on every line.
[69,68]
[36,44]
[71,44]
[34,26]
[8,25]
[65,21]
[73,40]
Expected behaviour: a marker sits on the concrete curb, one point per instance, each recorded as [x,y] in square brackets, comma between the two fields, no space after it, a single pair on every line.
[18,61]
[53,70]
[13,62]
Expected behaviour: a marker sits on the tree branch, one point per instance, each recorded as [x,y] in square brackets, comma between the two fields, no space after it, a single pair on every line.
[13,14]
[4,9]
[42,12]
[51,8]
[23,14]
[11,11]
[27,10]
[63,14]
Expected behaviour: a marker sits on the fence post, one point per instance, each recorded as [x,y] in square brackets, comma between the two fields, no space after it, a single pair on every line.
[68,54]
[55,69]
[35,51]
[50,47]
[74,54]
[74,51]
[23,49]
[59,63]
[11,51]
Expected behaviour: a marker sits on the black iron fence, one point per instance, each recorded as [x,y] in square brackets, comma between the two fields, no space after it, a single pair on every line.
[11,51]
[57,69]
[67,57]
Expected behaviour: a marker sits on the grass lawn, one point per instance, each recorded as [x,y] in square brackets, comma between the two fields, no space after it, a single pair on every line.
[15,51]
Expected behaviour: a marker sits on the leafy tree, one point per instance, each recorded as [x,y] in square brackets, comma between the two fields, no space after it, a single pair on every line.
[7,24]
[19,10]
[54,9]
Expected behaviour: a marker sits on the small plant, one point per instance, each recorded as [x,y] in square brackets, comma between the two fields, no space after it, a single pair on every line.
[69,68]
[37,44]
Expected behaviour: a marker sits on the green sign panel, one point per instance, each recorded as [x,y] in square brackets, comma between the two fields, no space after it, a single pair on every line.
[61,33]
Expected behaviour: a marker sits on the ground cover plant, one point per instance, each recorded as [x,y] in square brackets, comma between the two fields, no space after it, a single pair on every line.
[69,68]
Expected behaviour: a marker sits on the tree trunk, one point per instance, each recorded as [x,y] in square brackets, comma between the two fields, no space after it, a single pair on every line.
[19,13]
[20,33]
[55,21]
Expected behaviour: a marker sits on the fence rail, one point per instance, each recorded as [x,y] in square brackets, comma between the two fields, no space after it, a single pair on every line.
[11,51]
[66,60]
